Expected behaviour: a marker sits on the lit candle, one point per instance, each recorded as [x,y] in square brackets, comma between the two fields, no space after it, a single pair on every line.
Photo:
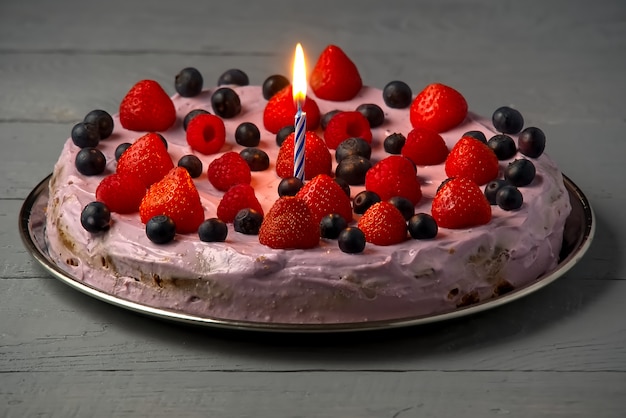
[299,96]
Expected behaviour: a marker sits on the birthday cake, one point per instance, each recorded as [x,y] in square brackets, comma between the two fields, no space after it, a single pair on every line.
[410,204]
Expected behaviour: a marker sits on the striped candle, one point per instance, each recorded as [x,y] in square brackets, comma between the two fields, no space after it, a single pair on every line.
[299,142]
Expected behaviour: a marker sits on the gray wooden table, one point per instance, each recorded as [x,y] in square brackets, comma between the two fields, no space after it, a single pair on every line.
[559,352]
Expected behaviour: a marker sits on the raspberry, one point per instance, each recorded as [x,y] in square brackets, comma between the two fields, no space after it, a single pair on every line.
[240,196]
[206,133]
[228,170]
[394,176]
[346,125]
[122,193]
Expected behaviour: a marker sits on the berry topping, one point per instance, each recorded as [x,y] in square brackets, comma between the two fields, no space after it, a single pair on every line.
[317,158]
[383,224]
[147,159]
[192,114]
[404,205]
[119,150]
[373,113]
[289,224]
[324,196]
[327,117]
[425,147]
[248,221]
[103,120]
[283,133]
[122,193]
[394,143]
[472,159]
[363,200]
[331,226]
[280,110]
[206,133]
[491,190]
[346,125]
[225,103]
[397,94]
[394,176]
[188,82]
[95,217]
[228,170]
[334,76]
[531,142]
[509,198]
[85,135]
[507,120]
[247,134]
[90,161]
[351,240]
[177,197]
[257,159]
[353,169]
[503,146]
[233,76]
[353,146]
[192,164]
[289,186]
[147,107]
[423,226]
[235,199]
[476,135]
[273,84]
[460,203]
[213,230]
[160,229]
[438,108]
[520,172]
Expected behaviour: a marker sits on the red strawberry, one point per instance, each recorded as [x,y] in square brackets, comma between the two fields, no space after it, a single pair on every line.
[228,170]
[335,77]
[317,158]
[147,107]
[206,133]
[383,224]
[280,111]
[394,176]
[438,108]
[472,159]
[289,224]
[346,125]
[147,159]
[177,197]
[425,147]
[460,203]
[240,196]
[122,193]
[324,196]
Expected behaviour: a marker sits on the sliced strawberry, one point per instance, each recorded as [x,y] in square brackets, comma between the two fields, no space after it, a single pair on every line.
[146,158]
[289,225]
[228,170]
[346,125]
[325,196]
[206,133]
[280,111]
[460,203]
[317,158]
[472,159]
[425,147]
[177,197]
[438,108]
[394,176]
[240,196]
[334,76]
[147,107]
[383,224]
[122,193]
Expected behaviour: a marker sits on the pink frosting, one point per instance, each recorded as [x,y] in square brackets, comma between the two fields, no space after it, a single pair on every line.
[241,279]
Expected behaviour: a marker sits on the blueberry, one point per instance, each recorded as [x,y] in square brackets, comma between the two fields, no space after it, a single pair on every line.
[503,146]
[162,138]
[289,186]
[476,135]
[248,221]
[119,150]
[283,133]
[233,76]
[160,229]
[373,113]
[520,172]
[225,103]
[353,169]
[213,230]
[326,117]
[344,185]
[404,205]
[393,143]
[351,240]
[90,161]
[397,94]
[257,159]
[531,142]
[423,226]
[192,164]
[353,146]
[102,120]
[331,226]
[188,82]
[95,217]
[85,135]
[507,120]
[273,84]
[247,134]
[192,114]
[491,190]
[509,198]
[363,201]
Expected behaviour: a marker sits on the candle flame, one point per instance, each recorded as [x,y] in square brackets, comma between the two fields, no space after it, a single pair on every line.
[299,78]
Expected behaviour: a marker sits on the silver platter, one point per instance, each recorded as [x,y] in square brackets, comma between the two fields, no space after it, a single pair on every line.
[579,231]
